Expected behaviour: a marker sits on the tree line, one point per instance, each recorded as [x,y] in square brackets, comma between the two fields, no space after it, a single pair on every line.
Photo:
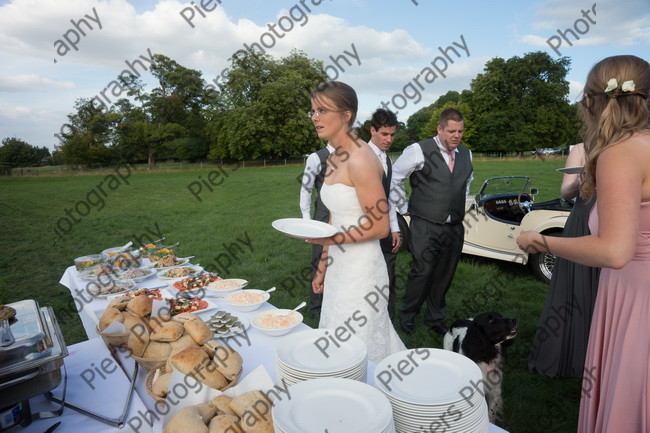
[259,111]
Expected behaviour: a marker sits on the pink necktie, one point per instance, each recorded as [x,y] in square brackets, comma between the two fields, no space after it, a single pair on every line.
[450,164]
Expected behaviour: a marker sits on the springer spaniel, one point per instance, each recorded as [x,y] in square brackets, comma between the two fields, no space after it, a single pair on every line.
[482,340]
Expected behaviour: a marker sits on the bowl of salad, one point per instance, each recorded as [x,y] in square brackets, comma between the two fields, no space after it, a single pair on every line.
[247,300]
[276,322]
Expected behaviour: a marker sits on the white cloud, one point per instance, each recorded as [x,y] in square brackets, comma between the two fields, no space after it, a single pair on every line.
[30,83]
[596,24]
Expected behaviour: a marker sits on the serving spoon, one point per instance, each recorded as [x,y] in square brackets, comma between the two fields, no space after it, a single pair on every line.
[302,304]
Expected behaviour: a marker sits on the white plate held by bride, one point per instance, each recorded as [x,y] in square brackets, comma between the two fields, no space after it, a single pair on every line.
[570,170]
[303,228]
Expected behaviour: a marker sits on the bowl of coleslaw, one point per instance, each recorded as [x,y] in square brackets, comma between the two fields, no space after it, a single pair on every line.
[247,300]
[276,322]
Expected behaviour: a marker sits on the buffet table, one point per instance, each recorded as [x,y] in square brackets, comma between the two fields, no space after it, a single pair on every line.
[256,348]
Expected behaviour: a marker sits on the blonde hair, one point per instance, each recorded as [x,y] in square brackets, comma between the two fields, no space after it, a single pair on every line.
[615,115]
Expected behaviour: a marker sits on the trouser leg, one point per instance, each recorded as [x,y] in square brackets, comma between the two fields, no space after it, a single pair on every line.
[390,259]
[315,299]
[419,278]
[449,245]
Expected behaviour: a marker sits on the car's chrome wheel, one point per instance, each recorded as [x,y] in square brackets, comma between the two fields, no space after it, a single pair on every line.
[544,263]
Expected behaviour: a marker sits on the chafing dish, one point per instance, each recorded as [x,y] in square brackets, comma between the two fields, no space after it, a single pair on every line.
[31,357]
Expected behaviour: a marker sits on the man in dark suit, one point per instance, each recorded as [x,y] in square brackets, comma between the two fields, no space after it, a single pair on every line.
[383,127]
[440,171]
[313,178]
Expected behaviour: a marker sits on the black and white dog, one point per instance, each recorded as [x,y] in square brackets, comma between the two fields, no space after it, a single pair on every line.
[482,340]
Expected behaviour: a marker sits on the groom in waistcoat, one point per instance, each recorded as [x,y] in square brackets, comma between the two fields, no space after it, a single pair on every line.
[383,127]
[440,171]
[313,178]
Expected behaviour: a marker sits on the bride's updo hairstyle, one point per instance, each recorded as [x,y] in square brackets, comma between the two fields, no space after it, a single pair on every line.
[614,106]
[343,96]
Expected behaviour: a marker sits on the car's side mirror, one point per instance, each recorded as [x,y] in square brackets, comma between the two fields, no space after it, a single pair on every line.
[534,191]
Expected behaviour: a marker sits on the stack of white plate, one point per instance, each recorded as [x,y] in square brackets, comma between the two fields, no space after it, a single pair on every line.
[433,390]
[317,353]
[333,405]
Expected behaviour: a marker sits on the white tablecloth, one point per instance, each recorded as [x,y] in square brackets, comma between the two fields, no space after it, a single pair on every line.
[255,347]
[107,398]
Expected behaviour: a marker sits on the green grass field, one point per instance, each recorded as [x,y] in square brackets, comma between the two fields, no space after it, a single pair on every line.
[48,221]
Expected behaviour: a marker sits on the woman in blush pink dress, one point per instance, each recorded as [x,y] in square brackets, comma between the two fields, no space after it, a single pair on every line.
[616,379]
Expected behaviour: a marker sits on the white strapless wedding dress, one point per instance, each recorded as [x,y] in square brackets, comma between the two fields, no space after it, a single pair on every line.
[356,283]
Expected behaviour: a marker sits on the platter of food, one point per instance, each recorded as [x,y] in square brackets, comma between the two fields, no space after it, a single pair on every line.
[276,322]
[110,287]
[156,294]
[137,275]
[221,287]
[188,305]
[169,261]
[179,272]
[223,324]
[196,282]
[247,300]
[96,271]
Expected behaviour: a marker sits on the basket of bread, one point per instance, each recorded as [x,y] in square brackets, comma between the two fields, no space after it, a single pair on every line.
[213,364]
[131,312]
[224,414]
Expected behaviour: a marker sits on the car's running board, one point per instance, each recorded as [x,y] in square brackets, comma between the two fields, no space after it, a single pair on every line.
[476,250]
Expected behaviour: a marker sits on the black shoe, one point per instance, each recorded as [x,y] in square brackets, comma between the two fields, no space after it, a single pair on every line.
[407,326]
[438,327]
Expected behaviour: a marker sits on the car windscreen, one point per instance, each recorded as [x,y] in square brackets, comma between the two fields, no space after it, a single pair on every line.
[503,185]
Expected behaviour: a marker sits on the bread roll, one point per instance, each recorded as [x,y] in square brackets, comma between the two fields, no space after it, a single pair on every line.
[131,322]
[207,411]
[210,376]
[156,321]
[248,401]
[120,303]
[161,384]
[189,360]
[222,403]
[111,315]
[138,340]
[225,359]
[186,340]
[184,317]
[224,424]
[187,420]
[167,331]
[254,409]
[140,305]
[157,349]
[199,330]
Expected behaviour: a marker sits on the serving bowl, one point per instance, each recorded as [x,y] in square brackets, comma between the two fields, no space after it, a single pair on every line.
[85,263]
[247,300]
[276,322]
[221,288]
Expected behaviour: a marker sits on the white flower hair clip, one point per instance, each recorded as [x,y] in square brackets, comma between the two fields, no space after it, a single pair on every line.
[627,86]
[611,85]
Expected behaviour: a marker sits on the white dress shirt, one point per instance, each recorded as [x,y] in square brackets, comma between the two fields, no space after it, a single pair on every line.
[392,210]
[312,168]
[412,159]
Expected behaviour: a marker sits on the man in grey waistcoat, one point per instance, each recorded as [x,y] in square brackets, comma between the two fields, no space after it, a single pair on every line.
[313,178]
[440,171]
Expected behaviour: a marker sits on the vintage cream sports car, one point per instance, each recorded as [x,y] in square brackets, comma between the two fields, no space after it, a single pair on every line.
[500,211]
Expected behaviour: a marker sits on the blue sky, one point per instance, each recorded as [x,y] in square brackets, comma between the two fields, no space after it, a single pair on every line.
[389,45]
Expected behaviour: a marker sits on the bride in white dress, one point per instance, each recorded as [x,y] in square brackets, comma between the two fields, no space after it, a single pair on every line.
[352,272]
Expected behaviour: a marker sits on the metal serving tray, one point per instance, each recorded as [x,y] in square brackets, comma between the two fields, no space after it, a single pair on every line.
[31,365]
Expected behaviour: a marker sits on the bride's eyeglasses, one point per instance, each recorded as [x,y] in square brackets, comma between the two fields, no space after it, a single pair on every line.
[321,112]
